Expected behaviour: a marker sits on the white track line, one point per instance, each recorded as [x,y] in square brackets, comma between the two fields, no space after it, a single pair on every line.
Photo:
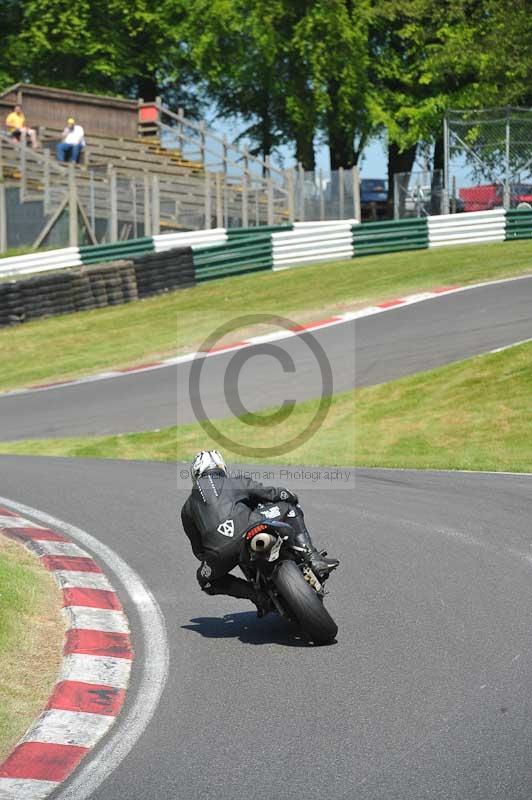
[341,319]
[132,723]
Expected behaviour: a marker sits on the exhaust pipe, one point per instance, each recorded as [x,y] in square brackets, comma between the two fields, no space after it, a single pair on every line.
[262,542]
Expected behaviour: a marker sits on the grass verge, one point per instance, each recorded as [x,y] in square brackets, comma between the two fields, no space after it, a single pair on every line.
[474,414]
[76,344]
[31,636]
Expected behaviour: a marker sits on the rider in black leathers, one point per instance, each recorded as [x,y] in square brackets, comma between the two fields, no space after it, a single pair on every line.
[220,509]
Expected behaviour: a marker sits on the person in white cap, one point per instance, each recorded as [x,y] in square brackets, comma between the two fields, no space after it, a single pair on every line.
[72,142]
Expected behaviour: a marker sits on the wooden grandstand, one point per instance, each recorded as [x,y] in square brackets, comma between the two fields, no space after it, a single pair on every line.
[168,173]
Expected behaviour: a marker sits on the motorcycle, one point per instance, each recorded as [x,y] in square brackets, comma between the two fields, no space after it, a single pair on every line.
[277,569]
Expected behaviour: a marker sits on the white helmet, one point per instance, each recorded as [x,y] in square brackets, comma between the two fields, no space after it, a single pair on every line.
[205,461]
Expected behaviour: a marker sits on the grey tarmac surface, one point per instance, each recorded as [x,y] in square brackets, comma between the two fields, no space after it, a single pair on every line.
[427,693]
[372,350]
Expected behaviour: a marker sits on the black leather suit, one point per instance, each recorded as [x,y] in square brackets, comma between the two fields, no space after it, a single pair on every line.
[218,511]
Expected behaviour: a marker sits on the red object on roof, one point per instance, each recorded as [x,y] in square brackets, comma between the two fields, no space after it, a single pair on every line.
[148,114]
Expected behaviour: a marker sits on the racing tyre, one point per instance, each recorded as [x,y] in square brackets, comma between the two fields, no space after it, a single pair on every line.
[303,604]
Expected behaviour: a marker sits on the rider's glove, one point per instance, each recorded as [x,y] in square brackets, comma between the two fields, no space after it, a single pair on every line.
[288,497]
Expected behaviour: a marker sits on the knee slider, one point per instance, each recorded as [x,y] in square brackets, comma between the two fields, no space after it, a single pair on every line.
[203,576]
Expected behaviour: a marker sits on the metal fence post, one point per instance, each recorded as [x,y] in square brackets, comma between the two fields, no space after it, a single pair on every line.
[245,200]
[208,209]
[113,205]
[22,190]
[356,194]
[301,182]
[341,192]
[446,176]
[396,196]
[245,188]
[72,207]
[219,208]
[156,206]
[269,189]
[92,203]
[46,182]
[3,215]
[147,205]
[290,189]
[506,200]
[322,196]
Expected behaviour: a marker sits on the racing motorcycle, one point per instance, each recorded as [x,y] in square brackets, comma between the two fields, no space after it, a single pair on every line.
[277,568]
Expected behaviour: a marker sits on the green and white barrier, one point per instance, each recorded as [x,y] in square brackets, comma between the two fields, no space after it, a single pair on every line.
[309,242]
[470,228]
[221,252]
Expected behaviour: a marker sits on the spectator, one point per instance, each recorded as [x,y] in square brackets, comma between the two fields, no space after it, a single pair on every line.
[16,126]
[72,142]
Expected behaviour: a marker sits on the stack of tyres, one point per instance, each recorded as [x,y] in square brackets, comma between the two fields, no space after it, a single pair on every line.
[11,307]
[82,292]
[11,310]
[128,281]
[161,272]
[47,295]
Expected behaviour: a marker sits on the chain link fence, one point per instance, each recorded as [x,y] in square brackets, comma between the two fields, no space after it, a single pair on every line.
[418,194]
[488,158]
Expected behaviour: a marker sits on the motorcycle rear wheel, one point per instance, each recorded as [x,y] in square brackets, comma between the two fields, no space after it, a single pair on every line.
[303,605]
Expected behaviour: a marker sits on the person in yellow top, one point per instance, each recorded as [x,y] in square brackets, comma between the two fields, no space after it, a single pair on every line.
[16,126]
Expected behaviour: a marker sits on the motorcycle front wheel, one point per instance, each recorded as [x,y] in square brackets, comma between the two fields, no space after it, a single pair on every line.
[303,605]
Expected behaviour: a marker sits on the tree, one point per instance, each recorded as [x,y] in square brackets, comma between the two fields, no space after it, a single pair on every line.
[332,39]
[130,47]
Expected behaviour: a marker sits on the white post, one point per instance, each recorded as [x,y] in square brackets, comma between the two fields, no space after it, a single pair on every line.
[207,198]
[72,207]
[301,181]
[269,190]
[446,176]
[290,189]
[322,197]
[156,206]
[3,216]
[219,205]
[113,205]
[147,205]
[357,213]
[340,192]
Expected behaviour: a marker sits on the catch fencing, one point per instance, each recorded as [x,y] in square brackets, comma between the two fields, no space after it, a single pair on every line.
[488,158]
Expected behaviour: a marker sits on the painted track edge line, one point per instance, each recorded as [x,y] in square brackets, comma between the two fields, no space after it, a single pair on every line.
[57,740]
[134,719]
[342,318]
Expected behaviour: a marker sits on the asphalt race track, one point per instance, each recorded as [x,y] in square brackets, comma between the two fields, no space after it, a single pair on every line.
[361,353]
[427,693]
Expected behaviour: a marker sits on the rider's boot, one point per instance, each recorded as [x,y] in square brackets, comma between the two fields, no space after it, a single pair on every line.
[321,565]
[237,587]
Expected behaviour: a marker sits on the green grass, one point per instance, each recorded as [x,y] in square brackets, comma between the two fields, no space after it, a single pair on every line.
[31,635]
[76,344]
[475,414]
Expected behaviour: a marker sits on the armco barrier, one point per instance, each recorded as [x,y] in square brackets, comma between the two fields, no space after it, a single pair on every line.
[470,228]
[390,236]
[519,223]
[99,253]
[40,262]
[168,241]
[238,256]
[310,242]
[220,252]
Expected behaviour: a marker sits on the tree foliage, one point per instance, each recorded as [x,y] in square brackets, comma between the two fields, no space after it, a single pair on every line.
[293,71]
